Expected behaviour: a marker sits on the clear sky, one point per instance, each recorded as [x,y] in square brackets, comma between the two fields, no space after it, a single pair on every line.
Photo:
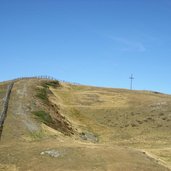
[95,42]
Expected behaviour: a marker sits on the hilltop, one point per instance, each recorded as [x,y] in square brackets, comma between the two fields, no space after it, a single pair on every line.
[52,125]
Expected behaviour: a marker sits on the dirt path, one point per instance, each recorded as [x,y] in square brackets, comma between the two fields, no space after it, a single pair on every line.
[20,108]
[157,158]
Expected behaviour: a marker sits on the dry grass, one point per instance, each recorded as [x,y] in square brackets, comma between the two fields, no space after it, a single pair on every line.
[138,119]
[126,113]
[123,121]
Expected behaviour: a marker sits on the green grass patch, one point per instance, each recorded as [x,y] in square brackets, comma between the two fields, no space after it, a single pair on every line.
[43,117]
[37,135]
[2,91]
[53,84]
[42,94]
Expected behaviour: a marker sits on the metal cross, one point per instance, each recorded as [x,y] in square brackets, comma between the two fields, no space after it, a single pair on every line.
[131,78]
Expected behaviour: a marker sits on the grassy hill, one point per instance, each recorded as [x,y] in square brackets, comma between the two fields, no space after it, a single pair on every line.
[117,115]
[59,126]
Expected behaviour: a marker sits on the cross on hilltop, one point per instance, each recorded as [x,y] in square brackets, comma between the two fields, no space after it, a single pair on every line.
[131,78]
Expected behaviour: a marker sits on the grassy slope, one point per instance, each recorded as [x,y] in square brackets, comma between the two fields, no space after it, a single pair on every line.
[127,115]
[116,117]
[131,118]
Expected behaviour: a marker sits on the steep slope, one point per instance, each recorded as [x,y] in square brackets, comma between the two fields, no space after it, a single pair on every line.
[26,109]
[59,126]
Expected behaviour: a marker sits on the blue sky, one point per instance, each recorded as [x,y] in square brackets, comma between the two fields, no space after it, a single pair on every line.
[95,42]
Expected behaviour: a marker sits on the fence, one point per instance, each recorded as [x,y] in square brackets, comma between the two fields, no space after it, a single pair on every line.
[5,107]
[43,78]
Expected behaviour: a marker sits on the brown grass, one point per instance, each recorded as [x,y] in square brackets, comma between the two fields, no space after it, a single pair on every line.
[125,122]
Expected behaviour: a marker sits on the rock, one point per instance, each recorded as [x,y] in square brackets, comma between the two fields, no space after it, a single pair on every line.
[89,137]
[52,153]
